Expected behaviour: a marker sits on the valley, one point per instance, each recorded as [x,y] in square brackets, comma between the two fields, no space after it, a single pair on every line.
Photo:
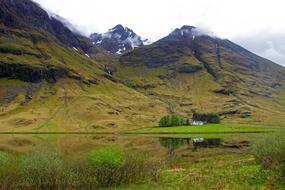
[113,110]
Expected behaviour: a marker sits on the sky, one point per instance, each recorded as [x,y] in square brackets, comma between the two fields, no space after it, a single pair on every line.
[257,25]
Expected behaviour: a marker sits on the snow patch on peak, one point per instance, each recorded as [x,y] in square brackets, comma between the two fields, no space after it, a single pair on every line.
[184,32]
[118,40]
[134,41]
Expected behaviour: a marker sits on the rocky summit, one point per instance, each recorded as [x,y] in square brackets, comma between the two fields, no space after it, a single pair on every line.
[118,40]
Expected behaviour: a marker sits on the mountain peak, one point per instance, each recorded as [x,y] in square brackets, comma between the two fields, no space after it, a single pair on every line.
[118,27]
[187,27]
[184,30]
[118,40]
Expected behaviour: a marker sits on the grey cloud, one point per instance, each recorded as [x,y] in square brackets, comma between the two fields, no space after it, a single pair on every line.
[270,45]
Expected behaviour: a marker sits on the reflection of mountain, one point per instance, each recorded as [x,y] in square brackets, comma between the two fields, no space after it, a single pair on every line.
[194,143]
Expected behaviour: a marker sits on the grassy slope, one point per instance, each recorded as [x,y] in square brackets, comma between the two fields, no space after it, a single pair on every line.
[41,50]
[69,104]
[188,92]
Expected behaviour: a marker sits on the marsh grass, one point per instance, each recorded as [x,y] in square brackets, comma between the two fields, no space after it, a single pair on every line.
[100,168]
[113,166]
[270,153]
[9,171]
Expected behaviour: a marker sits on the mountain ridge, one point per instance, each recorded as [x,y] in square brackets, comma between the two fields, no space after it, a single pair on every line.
[49,82]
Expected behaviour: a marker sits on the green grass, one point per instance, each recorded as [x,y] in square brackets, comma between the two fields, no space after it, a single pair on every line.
[48,169]
[209,128]
[231,171]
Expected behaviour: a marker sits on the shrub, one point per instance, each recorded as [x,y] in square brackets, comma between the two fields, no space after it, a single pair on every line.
[206,117]
[270,152]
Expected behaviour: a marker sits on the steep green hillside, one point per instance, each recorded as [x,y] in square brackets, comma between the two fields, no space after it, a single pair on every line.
[49,87]
[48,83]
[192,72]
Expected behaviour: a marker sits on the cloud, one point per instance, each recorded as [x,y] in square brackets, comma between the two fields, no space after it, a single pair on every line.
[202,29]
[266,43]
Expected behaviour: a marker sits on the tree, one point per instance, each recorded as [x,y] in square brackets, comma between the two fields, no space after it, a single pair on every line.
[187,122]
[206,117]
[173,120]
[165,121]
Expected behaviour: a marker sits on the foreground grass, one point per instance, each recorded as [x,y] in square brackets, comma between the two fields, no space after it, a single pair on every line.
[100,168]
[209,128]
[41,171]
[232,171]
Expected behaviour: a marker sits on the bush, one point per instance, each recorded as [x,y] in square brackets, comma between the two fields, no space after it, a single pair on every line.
[173,120]
[206,117]
[112,166]
[270,152]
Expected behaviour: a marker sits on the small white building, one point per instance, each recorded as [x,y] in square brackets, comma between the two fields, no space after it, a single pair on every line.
[197,123]
[198,140]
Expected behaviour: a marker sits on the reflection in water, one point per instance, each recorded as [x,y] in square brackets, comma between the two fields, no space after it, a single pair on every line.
[194,143]
[171,144]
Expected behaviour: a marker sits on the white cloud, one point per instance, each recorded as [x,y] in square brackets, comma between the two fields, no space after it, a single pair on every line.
[154,19]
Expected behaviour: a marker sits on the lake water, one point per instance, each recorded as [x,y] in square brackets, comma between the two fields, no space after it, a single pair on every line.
[168,147]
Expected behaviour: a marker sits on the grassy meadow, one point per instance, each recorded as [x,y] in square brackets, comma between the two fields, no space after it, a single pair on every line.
[209,128]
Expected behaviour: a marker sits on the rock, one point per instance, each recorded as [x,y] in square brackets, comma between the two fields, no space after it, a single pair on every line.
[223,91]
[30,73]
[186,68]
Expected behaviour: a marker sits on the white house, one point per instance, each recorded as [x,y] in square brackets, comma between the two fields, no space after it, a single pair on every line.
[197,123]
[198,139]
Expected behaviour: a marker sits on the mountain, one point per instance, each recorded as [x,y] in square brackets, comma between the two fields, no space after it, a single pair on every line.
[118,40]
[52,79]
[191,71]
